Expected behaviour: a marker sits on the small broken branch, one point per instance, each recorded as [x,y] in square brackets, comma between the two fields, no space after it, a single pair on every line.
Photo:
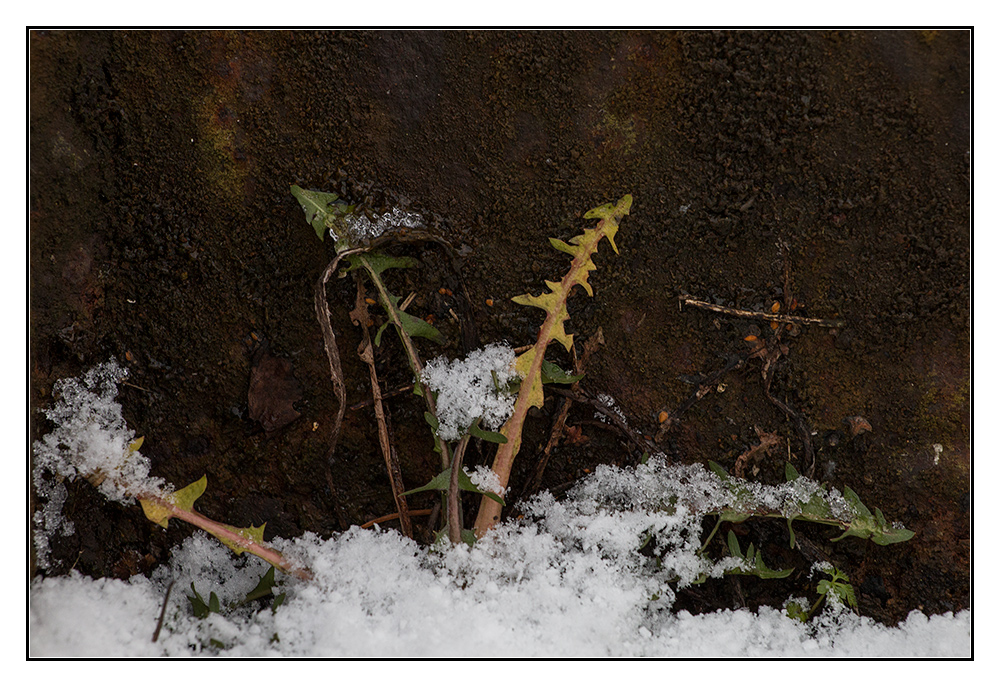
[386,518]
[360,317]
[631,435]
[684,299]
[330,344]
[579,367]
[454,502]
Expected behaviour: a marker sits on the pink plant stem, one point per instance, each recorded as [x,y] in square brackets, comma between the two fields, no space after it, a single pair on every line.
[222,532]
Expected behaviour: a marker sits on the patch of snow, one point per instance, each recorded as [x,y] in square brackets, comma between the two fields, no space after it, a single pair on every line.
[487,480]
[363,229]
[91,440]
[466,389]
[609,402]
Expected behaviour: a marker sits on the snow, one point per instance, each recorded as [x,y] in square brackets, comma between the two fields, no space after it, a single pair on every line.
[476,387]
[362,229]
[566,580]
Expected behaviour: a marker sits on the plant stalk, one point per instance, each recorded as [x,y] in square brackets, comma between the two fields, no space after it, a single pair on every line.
[220,531]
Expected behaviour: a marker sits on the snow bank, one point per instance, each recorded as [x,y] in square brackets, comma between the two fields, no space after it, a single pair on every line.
[567,580]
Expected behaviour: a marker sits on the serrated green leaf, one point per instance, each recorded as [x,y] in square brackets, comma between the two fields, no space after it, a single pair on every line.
[717,469]
[379,262]
[199,608]
[796,612]
[734,545]
[414,326]
[378,334]
[731,515]
[442,482]
[892,536]
[182,498]
[860,508]
[318,210]
[553,374]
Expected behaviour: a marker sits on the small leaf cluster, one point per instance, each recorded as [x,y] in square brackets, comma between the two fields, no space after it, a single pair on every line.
[325,212]
[264,588]
[818,506]
[837,590]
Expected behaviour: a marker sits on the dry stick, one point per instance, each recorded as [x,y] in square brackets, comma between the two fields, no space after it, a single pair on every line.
[385,395]
[163,611]
[800,424]
[332,353]
[706,385]
[609,413]
[226,534]
[360,317]
[773,317]
[454,503]
[386,518]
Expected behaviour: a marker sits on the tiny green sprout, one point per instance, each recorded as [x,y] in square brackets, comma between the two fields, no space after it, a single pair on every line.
[752,563]
[837,590]
[199,608]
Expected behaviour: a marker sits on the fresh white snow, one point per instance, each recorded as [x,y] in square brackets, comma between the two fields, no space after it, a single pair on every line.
[567,580]
[471,388]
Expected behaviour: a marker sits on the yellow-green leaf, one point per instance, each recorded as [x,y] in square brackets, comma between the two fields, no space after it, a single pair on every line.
[183,499]
[536,397]
[254,534]
[135,445]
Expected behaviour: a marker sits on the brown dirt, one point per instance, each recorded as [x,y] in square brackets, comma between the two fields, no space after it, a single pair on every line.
[163,233]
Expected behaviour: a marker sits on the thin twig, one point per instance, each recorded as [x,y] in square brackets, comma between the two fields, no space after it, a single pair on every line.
[386,518]
[609,413]
[454,502]
[411,353]
[163,611]
[773,317]
[558,427]
[385,395]
[330,344]
[360,317]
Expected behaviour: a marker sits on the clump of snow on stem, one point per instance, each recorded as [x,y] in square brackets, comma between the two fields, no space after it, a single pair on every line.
[476,387]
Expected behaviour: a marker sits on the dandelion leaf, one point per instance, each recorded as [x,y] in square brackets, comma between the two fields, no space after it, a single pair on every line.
[182,498]
[443,481]
[321,209]
[523,366]
[254,534]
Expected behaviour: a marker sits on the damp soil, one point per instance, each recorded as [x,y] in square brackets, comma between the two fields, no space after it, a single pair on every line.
[827,172]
